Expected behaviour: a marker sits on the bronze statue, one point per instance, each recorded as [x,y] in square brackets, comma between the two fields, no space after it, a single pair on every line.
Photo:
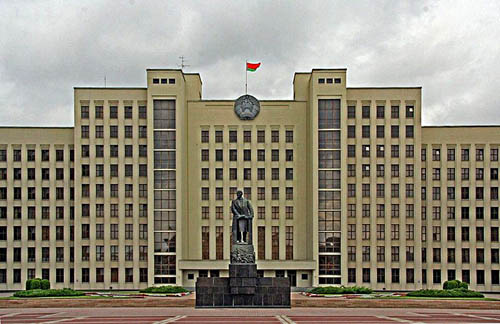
[242,219]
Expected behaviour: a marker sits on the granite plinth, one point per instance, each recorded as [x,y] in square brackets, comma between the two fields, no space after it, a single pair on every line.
[243,289]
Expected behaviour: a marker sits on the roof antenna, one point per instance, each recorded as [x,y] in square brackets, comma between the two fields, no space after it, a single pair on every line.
[105,81]
[182,65]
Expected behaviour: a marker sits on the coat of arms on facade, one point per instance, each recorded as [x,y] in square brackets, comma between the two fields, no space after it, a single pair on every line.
[247,107]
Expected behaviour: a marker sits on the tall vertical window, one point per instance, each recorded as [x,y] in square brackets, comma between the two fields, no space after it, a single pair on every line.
[275,231]
[289,242]
[219,242]
[261,242]
[205,246]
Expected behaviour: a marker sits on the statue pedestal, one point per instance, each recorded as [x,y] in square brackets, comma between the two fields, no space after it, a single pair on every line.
[243,288]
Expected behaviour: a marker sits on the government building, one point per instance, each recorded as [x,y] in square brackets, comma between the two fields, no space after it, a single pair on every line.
[347,187]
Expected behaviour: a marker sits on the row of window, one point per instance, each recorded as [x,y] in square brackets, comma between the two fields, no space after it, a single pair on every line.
[128,112]
[329,80]
[31,193]
[410,211]
[410,192]
[380,131]
[113,131]
[247,136]
[260,212]
[380,112]
[247,155]
[99,232]
[465,174]
[45,212]
[410,233]
[247,174]
[31,173]
[436,172]
[113,190]
[410,255]
[163,80]
[85,278]
[113,170]
[114,150]
[31,155]
[410,276]
[261,193]
[465,154]
[380,151]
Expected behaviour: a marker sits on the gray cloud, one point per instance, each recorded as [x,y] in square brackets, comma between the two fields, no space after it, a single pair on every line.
[449,47]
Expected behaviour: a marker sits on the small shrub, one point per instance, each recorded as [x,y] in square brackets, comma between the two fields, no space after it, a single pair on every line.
[47,293]
[45,284]
[448,293]
[164,290]
[332,290]
[451,284]
[35,284]
[454,284]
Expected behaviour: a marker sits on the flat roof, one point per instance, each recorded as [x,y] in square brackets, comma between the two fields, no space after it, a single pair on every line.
[367,88]
[113,88]
[43,127]
[458,126]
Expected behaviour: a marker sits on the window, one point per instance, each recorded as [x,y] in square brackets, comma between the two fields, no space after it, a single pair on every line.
[380,112]
[493,154]
[409,131]
[365,131]
[436,154]
[85,131]
[479,154]
[128,112]
[394,111]
[410,113]
[365,111]
[218,136]
[289,136]
[380,131]
[129,133]
[84,112]
[233,136]
[261,136]
[98,112]
[395,131]
[465,154]
[395,151]
[351,112]
[113,112]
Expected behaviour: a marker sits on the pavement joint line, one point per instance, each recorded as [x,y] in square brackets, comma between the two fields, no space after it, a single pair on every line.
[284,319]
[51,315]
[9,315]
[397,319]
[171,320]
[476,316]
[65,320]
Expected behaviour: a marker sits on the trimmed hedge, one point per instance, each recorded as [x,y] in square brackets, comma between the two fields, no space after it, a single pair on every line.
[457,292]
[454,284]
[47,293]
[37,283]
[164,290]
[332,290]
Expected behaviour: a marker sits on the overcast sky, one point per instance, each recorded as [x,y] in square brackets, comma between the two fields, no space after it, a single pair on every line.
[450,48]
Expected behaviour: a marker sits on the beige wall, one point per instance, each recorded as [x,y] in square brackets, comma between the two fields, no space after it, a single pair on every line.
[193,114]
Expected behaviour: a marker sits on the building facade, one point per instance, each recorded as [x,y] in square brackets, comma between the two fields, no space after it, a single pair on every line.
[347,186]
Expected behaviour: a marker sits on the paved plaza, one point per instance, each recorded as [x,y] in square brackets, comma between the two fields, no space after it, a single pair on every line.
[247,316]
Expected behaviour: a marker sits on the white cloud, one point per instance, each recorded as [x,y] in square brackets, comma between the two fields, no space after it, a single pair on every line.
[448,47]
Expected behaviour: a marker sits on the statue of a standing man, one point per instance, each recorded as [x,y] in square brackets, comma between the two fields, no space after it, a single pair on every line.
[242,219]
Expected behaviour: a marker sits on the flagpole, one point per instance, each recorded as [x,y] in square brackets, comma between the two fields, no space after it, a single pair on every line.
[246,77]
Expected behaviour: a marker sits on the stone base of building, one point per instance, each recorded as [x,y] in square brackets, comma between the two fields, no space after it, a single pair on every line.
[243,289]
